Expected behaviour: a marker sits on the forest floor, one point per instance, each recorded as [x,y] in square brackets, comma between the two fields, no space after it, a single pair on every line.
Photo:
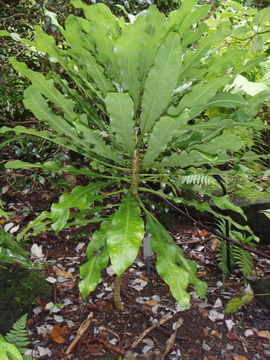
[151,326]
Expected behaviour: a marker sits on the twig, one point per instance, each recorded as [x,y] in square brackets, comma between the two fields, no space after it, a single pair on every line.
[82,329]
[243,246]
[110,347]
[162,321]
[170,342]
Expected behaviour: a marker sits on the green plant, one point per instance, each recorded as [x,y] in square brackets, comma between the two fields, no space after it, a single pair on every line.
[11,251]
[134,107]
[238,256]
[12,345]
[239,300]
[266,213]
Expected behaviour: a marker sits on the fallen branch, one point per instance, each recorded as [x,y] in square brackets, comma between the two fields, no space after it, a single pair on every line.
[82,329]
[162,321]
[243,246]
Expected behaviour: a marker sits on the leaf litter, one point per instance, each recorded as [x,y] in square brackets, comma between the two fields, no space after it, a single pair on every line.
[205,332]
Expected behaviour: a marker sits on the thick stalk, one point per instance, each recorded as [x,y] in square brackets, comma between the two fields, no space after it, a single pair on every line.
[116,293]
[135,172]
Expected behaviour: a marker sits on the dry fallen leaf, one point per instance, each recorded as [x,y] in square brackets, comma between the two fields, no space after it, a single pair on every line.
[204,312]
[264,334]
[239,357]
[201,274]
[152,303]
[201,233]
[63,273]
[232,336]
[57,332]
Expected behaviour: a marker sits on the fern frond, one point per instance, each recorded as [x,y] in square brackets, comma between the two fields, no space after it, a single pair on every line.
[197,179]
[18,335]
[243,259]
[222,260]
[240,257]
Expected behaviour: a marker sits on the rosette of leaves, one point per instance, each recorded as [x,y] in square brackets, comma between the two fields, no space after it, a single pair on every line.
[130,99]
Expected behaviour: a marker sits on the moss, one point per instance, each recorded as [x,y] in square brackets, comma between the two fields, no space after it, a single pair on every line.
[19,290]
[253,195]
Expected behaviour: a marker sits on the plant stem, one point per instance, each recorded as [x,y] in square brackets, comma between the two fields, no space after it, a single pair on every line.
[116,293]
[135,173]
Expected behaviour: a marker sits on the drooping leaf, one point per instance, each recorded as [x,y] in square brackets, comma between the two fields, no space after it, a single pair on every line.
[125,234]
[99,238]
[224,203]
[176,277]
[90,272]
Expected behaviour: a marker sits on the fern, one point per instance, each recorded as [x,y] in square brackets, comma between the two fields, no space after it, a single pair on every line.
[197,179]
[222,260]
[17,336]
[238,256]
[241,257]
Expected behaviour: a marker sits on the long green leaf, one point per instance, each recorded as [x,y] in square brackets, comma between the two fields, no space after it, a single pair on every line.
[224,203]
[47,88]
[192,58]
[224,99]
[99,238]
[193,17]
[153,37]
[177,17]
[160,82]
[176,277]
[95,143]
[125,234]
[75,36]
[104,31]
[162,133]
[35,102]
[121,110]
[18,164]
[80,197]
[199,96]
[128,50]
[219,144]
[44,134]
